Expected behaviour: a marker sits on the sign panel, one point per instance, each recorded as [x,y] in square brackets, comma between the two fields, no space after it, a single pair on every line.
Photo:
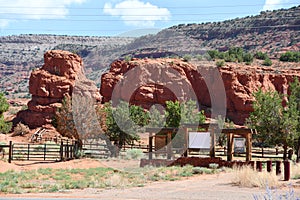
[199,140]
[239,145]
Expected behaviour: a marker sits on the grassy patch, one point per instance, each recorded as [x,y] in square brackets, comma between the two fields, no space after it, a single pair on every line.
[55,180]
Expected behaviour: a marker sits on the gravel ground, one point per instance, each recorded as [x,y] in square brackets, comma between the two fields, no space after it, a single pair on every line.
[212,187]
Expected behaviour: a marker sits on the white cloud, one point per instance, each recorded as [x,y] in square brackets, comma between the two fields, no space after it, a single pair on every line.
[137,13]
[277,4]
[11,10]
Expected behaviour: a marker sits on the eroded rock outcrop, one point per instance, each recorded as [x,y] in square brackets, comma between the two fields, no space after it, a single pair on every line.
[62,74]
[153,81]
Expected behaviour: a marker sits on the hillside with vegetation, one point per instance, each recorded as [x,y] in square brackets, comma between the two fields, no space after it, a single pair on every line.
[270,31]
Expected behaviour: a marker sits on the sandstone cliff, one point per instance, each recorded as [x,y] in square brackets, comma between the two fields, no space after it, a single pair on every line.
[153,81]
[62,74]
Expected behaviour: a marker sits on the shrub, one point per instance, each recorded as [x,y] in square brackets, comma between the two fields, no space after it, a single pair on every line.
[134,154]
[5,127]
[220,63]
[21,129]
[260,55]
[213,54]
[187,58]
[202,170]
[267,62]
[290,56]
[127,58]
[248,57]
[199,57]
[274,195]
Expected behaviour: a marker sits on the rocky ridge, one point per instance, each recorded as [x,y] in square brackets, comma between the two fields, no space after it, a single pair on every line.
[147,82]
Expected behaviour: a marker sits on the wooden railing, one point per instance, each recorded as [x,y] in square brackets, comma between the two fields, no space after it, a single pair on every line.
[43,152]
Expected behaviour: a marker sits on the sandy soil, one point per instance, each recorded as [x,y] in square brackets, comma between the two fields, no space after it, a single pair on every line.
[217,186]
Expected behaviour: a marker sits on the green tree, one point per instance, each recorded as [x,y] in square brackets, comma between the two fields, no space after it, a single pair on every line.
[190,113]
[157,118]
[275,123]
[294,99]
[186,112]
[5,127]
[123,122]
[4,106]
[173,114]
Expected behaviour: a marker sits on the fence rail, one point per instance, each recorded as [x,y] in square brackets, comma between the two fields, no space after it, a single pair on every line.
[66,150]
[37,152]
[95,150]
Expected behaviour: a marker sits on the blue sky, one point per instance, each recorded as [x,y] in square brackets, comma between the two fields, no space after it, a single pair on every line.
[114,17]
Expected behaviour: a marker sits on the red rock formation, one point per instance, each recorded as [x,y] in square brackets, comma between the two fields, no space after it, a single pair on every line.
[61,74]
[146,82]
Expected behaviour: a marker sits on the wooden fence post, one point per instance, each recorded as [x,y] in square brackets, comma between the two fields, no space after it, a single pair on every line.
[230,137]
[248,147]
[287,171]
[10,152]
[169,145]
[61,150]
[213,144]
[28,151]
[75,149]
[150,146]
[278,167]
[45,146]
[259,166]
[67,150]
[269,166]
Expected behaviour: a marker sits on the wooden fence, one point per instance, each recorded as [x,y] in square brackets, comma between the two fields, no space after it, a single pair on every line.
[95,150]
[40,152]
[66,149]
[145,148]
[257,152]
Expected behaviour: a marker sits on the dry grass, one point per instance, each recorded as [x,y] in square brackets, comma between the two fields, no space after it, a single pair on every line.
[247,177]
[117,180]
[295,171]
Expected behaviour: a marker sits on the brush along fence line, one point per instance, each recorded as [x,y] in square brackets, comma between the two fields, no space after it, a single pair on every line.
[40,152]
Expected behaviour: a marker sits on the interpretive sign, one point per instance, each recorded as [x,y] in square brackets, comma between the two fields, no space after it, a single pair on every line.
[199,140]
